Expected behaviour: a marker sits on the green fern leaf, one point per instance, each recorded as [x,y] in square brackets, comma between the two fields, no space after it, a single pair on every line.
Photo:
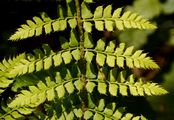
[99,25]
[37,26]
[69,87]
[5,67]
[72,23]
[117,13]
[87,26]
[90,71]
[73,38]
[107,11]
[102,88]
[67,57]
[109,25]
[98,12]
[60,91]
[123,56]
[110,60]
[90,87]
[86,13]
[16,113]
[124,84]
[76,54]
[100,45]
[35,64]
[109,111]
[100,59]
[37,95]
[88,115]
[88,42]
[89,56]
[115,19]
[89,1]
[113,89]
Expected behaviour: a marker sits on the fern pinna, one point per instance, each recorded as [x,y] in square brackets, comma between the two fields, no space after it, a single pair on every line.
[86,78]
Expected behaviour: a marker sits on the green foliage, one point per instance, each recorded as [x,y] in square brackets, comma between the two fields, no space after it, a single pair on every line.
[85,78]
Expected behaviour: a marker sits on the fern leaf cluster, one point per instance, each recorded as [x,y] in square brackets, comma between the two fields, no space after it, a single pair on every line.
[119,55]
[105,19]
[85,78]
[38,26]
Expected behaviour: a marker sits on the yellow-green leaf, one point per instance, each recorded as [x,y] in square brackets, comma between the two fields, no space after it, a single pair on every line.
[113,89]
[88,42]
[99,25]
[109,25]
[89,56]
[87,26]
[107,11]
[110,60]
[67,57]
[72,23]
[85,11]
[102,87]
[98,12]
[60,91]
[90,86]
[69,87]
[100,59]
[76,54]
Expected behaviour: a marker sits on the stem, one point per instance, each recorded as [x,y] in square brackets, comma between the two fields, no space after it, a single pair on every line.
[82,62]
[80,26]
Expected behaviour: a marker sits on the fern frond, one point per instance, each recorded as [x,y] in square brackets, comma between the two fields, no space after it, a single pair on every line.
[16,113]
[69,108]
[46,25]
[117,56]
[109,111]
[103,18]
[118,83]
[40,93]
[5,67]
[66,83]
[45,60]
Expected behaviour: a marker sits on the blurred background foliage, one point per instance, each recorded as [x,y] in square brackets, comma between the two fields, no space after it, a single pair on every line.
[158,43]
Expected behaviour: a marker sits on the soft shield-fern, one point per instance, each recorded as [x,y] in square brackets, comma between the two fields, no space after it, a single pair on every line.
[85,78]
